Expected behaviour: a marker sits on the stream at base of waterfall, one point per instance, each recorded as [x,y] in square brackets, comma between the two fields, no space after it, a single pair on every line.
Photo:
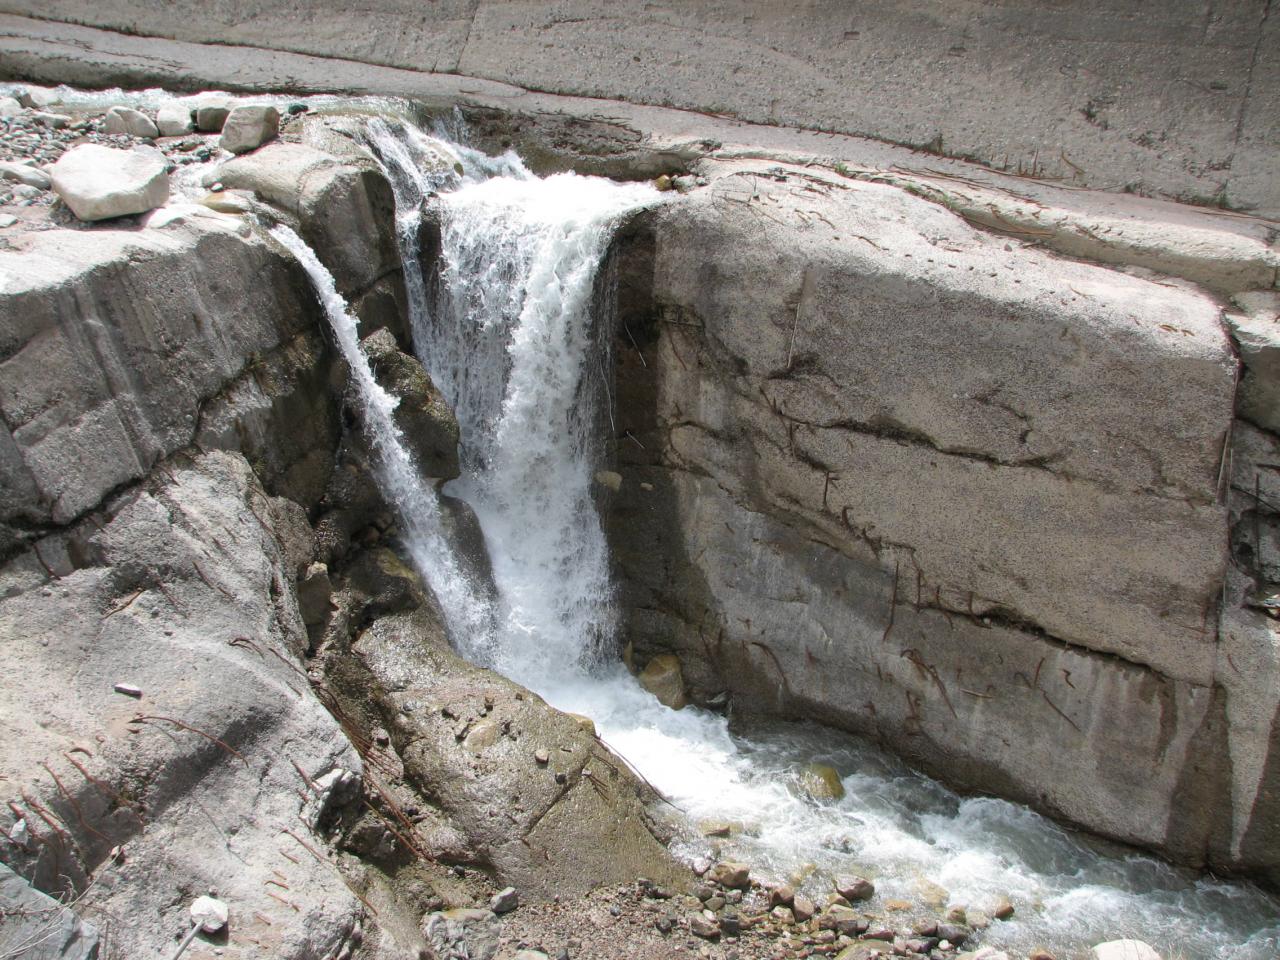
[511,331]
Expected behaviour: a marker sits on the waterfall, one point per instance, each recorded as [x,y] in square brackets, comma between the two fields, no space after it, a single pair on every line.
[515,346]
[397,472]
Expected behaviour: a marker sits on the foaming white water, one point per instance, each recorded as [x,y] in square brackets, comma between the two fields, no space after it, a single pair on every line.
[514,346]
[398,473]
[516,328]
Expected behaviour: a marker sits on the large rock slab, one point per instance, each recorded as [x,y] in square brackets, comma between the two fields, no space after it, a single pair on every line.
[99,183]
[180,589]
[935,486]
[111,341]
[532,793]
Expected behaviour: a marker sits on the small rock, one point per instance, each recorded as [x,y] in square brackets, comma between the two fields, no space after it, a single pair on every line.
[482,736]
[530,955]
[247,128]
[505,900]
[855,888]
[953,932]
[210,913]
[782,896]
[730,923]
[880,932]
[897,905]
[664,924]
[134,123]
[541,757]
[98,182]
[55,120]
[730,874]
[957,915]
[1040,953]
[175,120]
[978,920]
[700,926]
[129,690]
[295,108]
[1124,950]
[803,908]
[783,915]
[841,919]
[716,902]
[9,107]
[662,183]
[984,953]
[718,828]
[662,677]
[7,220]
[21,173]
[1003,908]
[610,479]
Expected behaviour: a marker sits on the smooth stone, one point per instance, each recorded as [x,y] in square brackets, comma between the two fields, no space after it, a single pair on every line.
[247,128]
[174,120]
[99,183]
[609,478]
[9,107]
[803,908]
[133,123]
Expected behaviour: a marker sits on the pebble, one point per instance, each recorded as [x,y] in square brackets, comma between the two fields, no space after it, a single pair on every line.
[730,874]
[128,689]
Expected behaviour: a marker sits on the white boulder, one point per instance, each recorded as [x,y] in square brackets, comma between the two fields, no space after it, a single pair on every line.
[9,107]
[98,182]
[174,120]
[247,128]
[126,120]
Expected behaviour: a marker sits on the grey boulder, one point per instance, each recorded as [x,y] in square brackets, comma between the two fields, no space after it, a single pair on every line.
[99,183]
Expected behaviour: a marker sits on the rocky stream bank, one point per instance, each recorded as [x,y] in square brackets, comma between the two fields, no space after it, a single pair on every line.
[226,680]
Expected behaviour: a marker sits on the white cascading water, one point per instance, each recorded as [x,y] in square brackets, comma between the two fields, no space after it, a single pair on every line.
[516,348]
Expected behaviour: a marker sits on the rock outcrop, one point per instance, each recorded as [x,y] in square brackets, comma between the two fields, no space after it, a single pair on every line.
[941,488]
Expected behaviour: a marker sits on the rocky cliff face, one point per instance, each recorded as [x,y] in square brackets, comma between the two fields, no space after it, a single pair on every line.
[939,487]
[219,676]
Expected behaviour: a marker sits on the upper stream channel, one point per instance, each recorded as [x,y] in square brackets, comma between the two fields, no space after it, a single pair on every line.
[512,331]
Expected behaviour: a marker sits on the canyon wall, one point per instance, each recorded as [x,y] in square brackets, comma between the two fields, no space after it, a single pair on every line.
[1181,101]
[987,505]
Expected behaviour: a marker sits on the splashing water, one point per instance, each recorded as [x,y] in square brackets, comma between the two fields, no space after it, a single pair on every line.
[515,346]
